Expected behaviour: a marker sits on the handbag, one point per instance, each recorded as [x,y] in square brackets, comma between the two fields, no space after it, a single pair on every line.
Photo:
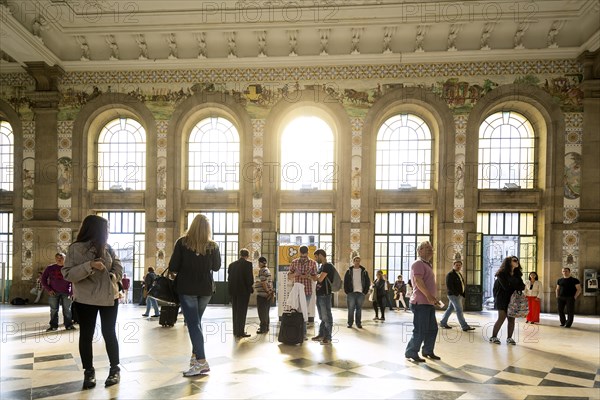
[518,306]
[163,289]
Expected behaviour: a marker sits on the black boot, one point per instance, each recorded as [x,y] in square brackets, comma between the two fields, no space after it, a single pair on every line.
[114,377]
[89,378]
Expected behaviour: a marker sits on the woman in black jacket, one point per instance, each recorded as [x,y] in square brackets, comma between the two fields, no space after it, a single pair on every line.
[194,258]
[508,279]
[379,296]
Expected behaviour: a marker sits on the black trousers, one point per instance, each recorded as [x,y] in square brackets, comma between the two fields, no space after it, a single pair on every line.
[239,309]
[87,315]
[381,303]
[569,302]
[263,304]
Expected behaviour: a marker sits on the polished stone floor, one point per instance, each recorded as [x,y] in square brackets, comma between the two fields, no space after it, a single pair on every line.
[548,362]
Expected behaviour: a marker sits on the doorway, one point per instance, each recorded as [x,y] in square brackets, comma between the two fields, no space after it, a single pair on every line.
[495,249]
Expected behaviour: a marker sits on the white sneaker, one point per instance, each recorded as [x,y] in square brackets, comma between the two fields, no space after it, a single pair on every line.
[197,369]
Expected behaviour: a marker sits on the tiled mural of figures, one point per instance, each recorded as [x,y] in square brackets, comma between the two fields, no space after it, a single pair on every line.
[572,175]
[65,177]
[357,87]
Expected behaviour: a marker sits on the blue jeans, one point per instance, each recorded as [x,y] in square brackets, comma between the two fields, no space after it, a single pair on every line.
[193,308]
[456,304]
[324,309]
[425,330]
[65,302]
[151,302]
[355,301]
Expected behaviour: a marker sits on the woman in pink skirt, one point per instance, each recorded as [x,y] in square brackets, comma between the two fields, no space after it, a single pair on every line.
[533,291]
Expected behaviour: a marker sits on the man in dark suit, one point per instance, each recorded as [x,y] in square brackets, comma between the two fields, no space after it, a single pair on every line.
[240,282]
[456,296]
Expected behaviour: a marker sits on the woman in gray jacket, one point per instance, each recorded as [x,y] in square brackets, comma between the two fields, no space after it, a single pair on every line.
[94,270]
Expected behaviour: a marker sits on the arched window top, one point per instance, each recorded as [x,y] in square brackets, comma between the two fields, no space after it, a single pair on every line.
[122,130]
[404,151]
[506,125]
[404,127]
[214,130]
[122,155]
[506,152]
[214,155]
[7,150]
[307,155]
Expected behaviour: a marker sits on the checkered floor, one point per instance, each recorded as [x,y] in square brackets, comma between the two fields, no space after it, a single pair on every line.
[547,363]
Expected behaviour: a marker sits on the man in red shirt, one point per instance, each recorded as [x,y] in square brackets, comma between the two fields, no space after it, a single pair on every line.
[60,293]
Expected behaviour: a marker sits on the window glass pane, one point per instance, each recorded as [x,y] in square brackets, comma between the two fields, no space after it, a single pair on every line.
[6,156]
[395,248]
[506,151]
[403,155]
[122,155]
[6,242]
[214,155]
[307,155]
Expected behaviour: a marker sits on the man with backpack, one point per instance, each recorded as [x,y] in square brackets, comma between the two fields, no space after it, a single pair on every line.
[325,287]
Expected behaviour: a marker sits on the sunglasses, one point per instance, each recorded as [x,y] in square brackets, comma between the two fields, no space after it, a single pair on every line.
[515,259]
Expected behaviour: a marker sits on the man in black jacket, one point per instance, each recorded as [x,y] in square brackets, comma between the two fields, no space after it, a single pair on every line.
[356,286]
[456,296]
[240,281]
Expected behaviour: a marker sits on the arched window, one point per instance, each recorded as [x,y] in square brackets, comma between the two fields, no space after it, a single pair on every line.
[307,155]
[506,152]
[7,150]
[122,156]
[214,155]
[403,158]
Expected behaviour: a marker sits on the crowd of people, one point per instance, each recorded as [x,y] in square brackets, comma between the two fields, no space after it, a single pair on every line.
[89,281]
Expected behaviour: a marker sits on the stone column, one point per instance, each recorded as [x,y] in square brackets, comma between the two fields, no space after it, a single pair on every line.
[588,224]
[45,222]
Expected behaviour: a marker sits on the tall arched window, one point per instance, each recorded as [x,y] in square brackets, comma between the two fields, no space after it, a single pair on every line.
[403,154]
[122,155]
[7,150]
[506,152]
[307,155]
[214,155]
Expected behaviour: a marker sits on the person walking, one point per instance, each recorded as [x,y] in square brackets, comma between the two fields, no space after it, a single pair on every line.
[126,282]
[422,303]
[356,287]
[240,281]
[59,291]
[508,279]
[195,256]
[264,295]
[379,295]
[400,293]
[94,270]
[567,290]
[150,301]
[533,291]
[324,280]
[455,283]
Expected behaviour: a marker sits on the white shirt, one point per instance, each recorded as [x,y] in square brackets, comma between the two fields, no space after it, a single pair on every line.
[357,280]
[536,291]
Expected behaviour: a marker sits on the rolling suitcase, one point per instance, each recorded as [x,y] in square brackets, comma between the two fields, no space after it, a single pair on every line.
[168,315]
[291,328]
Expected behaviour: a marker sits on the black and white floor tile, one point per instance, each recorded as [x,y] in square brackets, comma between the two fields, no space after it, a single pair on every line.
[548,362]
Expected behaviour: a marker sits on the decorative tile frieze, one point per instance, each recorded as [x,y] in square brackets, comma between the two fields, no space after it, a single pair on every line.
[314,73]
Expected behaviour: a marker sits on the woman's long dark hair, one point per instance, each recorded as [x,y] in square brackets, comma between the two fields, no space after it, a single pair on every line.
[506,267]
[94,229]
